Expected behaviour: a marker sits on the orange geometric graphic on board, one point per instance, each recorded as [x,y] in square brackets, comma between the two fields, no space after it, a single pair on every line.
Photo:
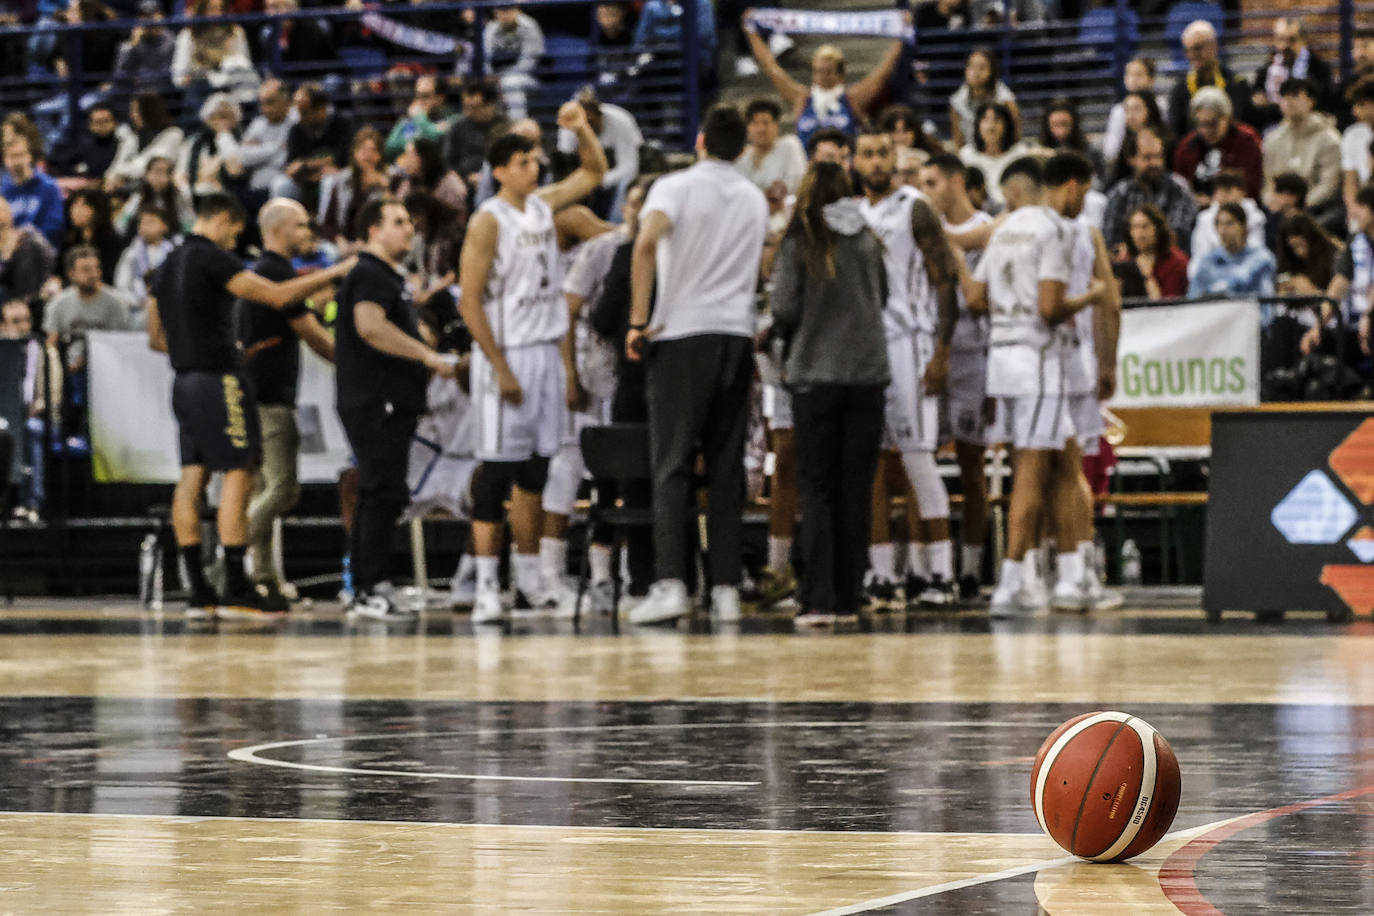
[1354,585]
[1353,461]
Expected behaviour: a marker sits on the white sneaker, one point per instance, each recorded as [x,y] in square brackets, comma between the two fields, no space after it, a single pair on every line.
[487,607]
[1071,596]
[725,603]
[462,590]
[667,600]
[1099,597]
[560,603]
[378,606]
[599,598]
[1029,600]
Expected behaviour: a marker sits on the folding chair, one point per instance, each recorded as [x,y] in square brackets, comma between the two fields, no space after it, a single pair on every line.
[619,454]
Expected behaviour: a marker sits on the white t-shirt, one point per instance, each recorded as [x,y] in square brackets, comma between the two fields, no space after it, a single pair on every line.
[708,262]
[1032,245]
[785,162]
[523,299]
[1076,335]
[586,277]
[971,331]
[910,299]
[620,138]
[1355,156]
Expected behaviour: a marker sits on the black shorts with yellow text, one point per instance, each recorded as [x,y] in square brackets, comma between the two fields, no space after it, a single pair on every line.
[218,418]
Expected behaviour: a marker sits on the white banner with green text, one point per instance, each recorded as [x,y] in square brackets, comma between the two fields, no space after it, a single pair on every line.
[1203,354]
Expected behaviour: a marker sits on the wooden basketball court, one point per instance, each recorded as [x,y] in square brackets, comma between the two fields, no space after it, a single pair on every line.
[325,765]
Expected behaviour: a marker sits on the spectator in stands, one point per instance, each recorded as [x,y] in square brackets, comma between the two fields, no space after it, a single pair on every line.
[1306,142]
[1205,70]
[344,193]
[465,148]
[97,47]
[940,15]
[86,305]
[619,134]
[1351,287]
[513,43]
[1139,82]
[297,39]
[318,143]
[1293,58]
[211,159]
[828,101]
[830,144]
[1061,131]
[94,149]
[262,147]
[908,133]
[16,323]
[1287,197]
[660,23]
[1362,68]
[426,118]
[1235,267]
[982,86]
[211,55]
[770,159]
[158,189]
[421,169]
[1141,111]
[1307,257]
[89,225]
[34,198]
[1357,143]
[988,13]
[1150,183]
[145,254]
[26,257]
[435,247]
[995,145]
[146,57]
[1230,189]
[1218,142]
[152,135]
[1150,245]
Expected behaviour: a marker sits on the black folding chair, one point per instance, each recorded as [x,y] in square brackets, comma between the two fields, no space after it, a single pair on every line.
[619,454]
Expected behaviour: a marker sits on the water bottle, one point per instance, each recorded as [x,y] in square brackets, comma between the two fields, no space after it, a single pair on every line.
[147,561]
[346,579]
[1130,563]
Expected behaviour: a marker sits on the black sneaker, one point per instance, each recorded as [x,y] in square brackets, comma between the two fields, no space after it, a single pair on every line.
[915,587]
[970,589]
[249,604]
[938,593]
[378,605]
[272,597]
[201,604]
[881,596]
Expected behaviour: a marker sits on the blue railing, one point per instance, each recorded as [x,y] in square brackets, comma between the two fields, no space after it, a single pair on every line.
[659,84]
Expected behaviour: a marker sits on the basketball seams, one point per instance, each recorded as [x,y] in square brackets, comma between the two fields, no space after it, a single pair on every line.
[1042,777]
[1140,811]
[1092,778]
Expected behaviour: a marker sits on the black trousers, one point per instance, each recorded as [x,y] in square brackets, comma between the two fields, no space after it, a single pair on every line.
[380,440]
[698,391]
[839,432]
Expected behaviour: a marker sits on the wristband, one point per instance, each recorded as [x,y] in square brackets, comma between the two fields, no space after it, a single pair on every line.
[638,326]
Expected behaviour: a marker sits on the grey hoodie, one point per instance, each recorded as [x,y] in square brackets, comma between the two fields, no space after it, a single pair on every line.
[833,329]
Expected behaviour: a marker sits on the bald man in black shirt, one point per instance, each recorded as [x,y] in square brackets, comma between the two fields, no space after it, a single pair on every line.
[190,318]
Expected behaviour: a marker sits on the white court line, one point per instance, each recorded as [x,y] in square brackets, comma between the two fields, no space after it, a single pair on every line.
[879,902]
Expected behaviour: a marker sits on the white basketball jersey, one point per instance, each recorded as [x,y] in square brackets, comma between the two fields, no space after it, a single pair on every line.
[524,296]
[971,331]
[911,304]
[1030,246]
[1077,335]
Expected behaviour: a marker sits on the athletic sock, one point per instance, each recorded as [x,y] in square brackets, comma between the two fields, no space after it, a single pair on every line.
[235,576]
[467,568]
[195,568]
[1069,567]
[971,560]
[553,559]
[940,559]
[883,559]
[1010,579]
[779,553]
[917,560]
[1087,550]
[599,562]
[488,573]
[526,569]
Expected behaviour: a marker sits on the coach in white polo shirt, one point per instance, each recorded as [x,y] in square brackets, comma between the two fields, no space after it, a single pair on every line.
[701,237]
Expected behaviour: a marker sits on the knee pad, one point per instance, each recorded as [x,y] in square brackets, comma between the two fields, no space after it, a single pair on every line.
[490,486]
[565,475]
[931,496]
[532,473]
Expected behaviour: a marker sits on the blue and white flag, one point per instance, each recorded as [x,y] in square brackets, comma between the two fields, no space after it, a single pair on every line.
[878,23]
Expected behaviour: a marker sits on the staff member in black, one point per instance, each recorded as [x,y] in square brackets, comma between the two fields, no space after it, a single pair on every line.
[381,376]
[271,349]
[190,318]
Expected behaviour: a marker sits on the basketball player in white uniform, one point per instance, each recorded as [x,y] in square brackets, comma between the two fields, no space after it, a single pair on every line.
[921,311]
[512,303]
[1022,282]
[942,181]
[1089,342]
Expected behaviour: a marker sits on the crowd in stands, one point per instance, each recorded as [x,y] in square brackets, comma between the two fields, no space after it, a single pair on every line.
[1219,184]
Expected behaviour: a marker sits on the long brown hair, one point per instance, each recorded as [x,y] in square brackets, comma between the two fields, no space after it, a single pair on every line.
[1320,262]
[823,184]
[1164,236]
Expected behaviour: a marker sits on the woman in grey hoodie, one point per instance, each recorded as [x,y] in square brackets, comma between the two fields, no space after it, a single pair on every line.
[829,287]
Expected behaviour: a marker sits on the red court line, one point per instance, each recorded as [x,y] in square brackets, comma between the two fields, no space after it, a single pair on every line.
[1177,876]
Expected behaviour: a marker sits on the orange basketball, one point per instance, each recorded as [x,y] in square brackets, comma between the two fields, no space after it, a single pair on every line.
[1105,786]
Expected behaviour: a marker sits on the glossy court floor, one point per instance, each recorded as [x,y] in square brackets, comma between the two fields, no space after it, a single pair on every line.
[325,766]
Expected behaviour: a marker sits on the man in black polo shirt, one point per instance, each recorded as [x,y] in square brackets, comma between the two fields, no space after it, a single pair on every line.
[190,318]
[271,348]
[381,376]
